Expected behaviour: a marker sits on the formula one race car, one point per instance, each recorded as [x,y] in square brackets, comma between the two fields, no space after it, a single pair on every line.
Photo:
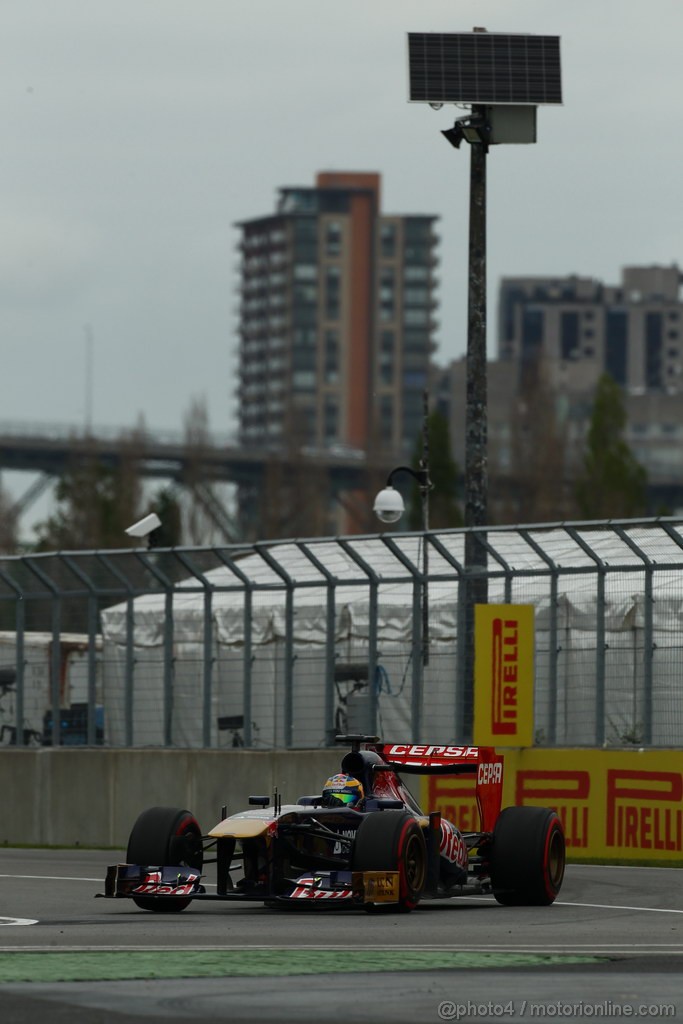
[362,842]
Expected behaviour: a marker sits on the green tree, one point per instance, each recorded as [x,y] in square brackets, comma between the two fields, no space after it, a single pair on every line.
[167,507]
[612,483]
[444,510]
[8,525]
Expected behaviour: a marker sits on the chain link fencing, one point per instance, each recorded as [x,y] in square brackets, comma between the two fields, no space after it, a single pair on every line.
[286,644]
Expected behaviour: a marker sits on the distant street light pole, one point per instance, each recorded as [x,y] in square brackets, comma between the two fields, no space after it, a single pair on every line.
[389,507]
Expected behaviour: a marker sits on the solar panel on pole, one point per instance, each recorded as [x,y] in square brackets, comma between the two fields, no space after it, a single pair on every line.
[484,68]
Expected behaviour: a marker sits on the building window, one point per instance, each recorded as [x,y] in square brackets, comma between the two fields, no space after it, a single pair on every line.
[533,321]
[333,238]
[387,240]
[416,317]
[331,420]
[386,419]
[386,357]
[416,273]
[569,336]
[303,380]
[415,296]
[331,357]
[332,293]
[653,350]
[305,272]
[305,242]
[616,351]
[387,294]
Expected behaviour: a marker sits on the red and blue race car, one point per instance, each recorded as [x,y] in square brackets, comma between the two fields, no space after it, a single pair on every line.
[373,849]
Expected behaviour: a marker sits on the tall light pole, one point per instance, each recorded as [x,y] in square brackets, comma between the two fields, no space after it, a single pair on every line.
[502,78]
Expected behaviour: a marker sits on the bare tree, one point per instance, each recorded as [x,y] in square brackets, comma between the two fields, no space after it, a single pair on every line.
[538,486]
[95,502]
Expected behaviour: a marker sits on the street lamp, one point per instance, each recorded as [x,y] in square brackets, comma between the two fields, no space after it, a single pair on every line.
[389,505]
[502,78]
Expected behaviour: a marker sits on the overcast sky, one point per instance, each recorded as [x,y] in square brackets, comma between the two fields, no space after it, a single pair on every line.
[136,133]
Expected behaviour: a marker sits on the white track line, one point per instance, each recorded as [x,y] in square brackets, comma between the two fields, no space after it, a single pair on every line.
[651,949]
[593,906]
[54,878]
[614,906]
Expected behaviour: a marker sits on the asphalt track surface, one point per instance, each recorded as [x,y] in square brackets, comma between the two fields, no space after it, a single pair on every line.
[610,947]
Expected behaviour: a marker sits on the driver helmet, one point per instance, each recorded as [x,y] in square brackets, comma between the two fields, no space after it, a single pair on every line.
[343,791]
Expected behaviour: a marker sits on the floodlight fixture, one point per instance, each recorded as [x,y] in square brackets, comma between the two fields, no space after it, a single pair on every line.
[454,135]
[475,129]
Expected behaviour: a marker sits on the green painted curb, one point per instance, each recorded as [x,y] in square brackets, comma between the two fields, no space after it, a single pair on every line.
[112,965]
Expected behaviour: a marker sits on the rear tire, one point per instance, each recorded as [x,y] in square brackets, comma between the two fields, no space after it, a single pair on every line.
[165,835]
[527,857]
[392,841]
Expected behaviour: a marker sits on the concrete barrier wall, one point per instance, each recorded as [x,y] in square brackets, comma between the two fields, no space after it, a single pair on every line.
[614,804]
[73,797]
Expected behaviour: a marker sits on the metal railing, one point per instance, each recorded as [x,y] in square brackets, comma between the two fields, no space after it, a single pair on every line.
[285,644]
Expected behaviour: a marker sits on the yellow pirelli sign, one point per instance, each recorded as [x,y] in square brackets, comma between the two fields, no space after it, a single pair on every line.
[622,805]
[504,675]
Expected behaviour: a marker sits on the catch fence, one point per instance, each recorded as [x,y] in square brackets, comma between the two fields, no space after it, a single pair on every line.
[286,644]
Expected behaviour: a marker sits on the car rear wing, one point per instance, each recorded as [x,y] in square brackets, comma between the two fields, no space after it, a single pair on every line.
[438,759]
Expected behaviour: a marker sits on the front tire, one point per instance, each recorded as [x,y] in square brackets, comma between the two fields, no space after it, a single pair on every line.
[165,835]
[527,857]
[392,841]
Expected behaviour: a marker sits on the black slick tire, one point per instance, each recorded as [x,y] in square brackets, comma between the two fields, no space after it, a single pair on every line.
[527,857]
[392,841]
[165,835]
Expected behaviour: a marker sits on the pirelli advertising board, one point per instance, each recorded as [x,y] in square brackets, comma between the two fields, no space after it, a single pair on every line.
[504,675]
[614,804]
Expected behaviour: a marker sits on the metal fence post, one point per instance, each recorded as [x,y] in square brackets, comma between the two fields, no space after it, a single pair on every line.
[373,587]
[55,653]
[288,725]
[418,640]
[552,640]
[600,647]
[92,619]
[648,639]
[330,651]
[461,639]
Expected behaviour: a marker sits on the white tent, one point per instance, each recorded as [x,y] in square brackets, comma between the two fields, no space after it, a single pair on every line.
[570,616]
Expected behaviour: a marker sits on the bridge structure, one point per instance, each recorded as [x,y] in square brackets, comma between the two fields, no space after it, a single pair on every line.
[46,451]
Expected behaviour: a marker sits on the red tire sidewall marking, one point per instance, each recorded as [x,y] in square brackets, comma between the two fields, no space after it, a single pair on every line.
[551,891]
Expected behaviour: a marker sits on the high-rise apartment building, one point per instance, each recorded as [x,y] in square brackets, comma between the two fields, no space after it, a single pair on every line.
[336,320]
